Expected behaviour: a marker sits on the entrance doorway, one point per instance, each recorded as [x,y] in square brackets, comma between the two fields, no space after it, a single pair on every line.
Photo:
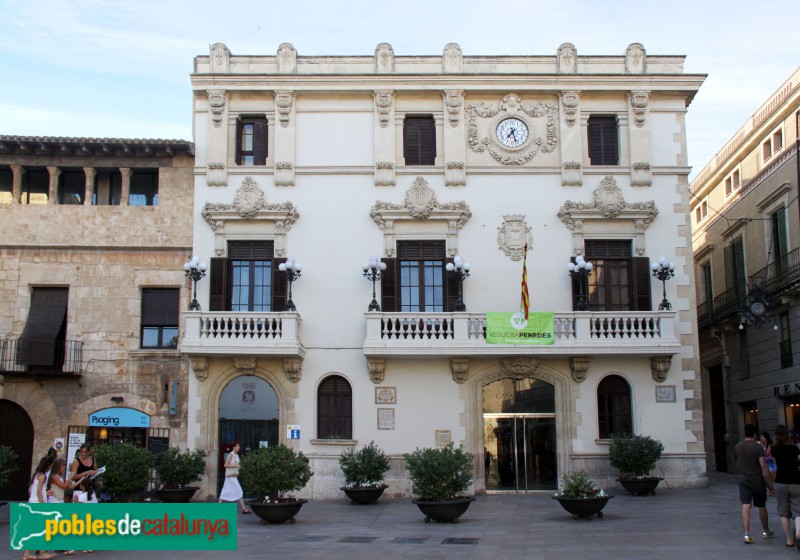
[16,432]
[519,435]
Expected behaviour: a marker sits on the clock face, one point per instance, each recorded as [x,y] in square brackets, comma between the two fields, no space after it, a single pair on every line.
[758,308]
[512,132]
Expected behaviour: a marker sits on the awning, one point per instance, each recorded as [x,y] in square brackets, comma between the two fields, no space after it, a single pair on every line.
[37,344]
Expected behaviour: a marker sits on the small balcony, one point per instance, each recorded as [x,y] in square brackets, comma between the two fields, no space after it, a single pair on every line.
[623,333]
[221,333]
[41,357]
[781,276]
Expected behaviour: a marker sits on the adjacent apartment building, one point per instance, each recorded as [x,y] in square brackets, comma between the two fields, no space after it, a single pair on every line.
[746,232]
[95,235]
[338,202]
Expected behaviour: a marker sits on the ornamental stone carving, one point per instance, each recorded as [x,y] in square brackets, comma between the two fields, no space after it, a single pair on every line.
[383,102]
[220,58]
[639,100]
[579,365]
[459,368]
[519,367]
[384,59]
[659,367]
[200,367]
[452,58]
[293,368]
[454,99]
[249,199]
[216,102]
[283,102]
[216,175]
[377,371]
[569,101]
[246,365]
[455,174]
[635,59]
[567,59]
[384,174]
[641,176]
[284,174]
[513,235]
[287,59]
[571,175]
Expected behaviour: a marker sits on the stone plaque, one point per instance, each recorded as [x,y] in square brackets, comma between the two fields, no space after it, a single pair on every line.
[385,395]
[665,394]
[386,419]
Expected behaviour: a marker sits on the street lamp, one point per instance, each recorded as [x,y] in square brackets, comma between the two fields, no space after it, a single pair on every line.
[580,270]
[663,270]
[292,270]
[195,269]
[460,270]
[372,271]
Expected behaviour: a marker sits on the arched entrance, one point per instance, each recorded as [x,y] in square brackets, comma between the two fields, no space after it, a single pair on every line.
[248,413]
[16,432]
[519,435]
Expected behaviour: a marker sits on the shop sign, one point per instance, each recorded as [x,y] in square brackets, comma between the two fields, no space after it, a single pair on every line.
[119,417]
[786,389]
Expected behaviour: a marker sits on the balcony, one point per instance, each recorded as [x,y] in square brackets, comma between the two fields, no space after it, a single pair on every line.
[229,333]
[17,359]
[464,334]
[781,276]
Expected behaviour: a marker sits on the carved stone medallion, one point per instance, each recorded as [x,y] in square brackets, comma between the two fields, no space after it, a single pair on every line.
[249,199]
[513,235]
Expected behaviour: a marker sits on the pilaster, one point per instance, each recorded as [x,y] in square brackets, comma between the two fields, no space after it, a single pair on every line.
[90,173]
[285,137]
[455,146]
[217,153]
[571,138]
[383,138]
[639,127]
[19,174]
[126,173]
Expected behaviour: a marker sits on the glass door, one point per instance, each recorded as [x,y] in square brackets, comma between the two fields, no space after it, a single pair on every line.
[520,453]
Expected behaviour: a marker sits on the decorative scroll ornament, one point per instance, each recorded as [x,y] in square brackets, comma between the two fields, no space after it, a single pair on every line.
[608,202]
[384,59]
[454,99]
[245,365]
[579,366]
[519,367]
[283,101]
[460,369]
[293,368]
[384,174]
[452,58]
[639,100]
[287,59]
[216,101]
[570,100]
[383,102]
[377,371]
[513,235]
[220,58]
[635,59]
[511,104]
[420,203]
[566,59]
[641,175]
[200,367]
[249,199]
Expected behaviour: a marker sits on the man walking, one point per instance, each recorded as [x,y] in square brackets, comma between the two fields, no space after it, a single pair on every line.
[754,478]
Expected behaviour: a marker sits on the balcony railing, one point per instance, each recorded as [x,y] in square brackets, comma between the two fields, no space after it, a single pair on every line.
[780,276]
[464,334]
[28,358]
[725,305]
[242,333]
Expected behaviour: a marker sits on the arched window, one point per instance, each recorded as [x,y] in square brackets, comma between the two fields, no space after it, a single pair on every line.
[614,407]
[335,409]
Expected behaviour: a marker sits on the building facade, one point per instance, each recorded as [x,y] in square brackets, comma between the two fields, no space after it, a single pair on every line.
[746,229]
[95,234]
[406,167]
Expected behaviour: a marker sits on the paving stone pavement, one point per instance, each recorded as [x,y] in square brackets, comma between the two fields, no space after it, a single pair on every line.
[690,524]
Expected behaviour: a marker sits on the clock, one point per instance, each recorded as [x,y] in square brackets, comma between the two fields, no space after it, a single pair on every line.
[512,132]
[757,308]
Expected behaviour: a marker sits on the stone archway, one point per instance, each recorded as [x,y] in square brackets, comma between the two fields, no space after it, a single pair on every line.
[16,432]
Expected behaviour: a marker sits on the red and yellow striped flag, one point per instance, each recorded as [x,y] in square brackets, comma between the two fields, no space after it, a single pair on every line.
[526,301]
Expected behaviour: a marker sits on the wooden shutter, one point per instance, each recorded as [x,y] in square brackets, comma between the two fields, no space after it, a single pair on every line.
[739,268]
[238,140]
[389,283]
[450,289]
[640,294]
[614,407]
[411,141]
[260,142]
[252,250]
[419,140]
[603,140]
[779,224]
[335,409]
[47,316]
[730,276]
[160,307]
[280,287]
[218,296]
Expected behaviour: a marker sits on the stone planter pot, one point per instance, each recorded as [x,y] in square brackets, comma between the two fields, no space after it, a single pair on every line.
[363,496]
[446,511]
[176,495]
[276,513]
[584,508]
[640,486]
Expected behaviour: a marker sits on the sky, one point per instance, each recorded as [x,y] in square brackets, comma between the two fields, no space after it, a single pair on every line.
[108,68]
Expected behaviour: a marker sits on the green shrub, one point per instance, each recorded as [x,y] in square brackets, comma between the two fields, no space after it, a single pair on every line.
[439,474]
[176,468]
[364,468]
[578,484]
[271,472]
[8,465]
[634,456]
[127,470]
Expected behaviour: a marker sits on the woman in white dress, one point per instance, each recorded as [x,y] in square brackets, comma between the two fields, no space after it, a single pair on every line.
[232,490]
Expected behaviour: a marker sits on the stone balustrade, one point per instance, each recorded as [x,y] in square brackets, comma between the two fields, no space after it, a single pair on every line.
[210,333]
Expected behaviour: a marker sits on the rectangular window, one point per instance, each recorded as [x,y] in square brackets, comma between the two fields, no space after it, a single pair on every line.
[780,245]
[619,281]
[422,267]
[732,183]
[35,186]
[249,279]
[603,140]
[160,317]
[144,188]
[42,340]
[735,270]
[71,187]
[419,140]
[6,186]
[766,150]
[772,145]
[701,212]
[777,141]
[107,188]
[787,360]
[708,284]
[251,141]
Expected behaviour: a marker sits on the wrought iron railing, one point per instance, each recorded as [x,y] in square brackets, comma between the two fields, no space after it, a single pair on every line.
[781,275]
[41,356]
[726,304]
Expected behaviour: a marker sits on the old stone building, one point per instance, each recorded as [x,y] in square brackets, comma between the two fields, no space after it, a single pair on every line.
[425,163]
[95,235]
[746,239]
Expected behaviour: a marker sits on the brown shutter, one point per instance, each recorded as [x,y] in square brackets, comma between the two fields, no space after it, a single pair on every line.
[335,409]
[280,287]
[450,289]
[641,284]
[255,250]
[238,140]
[47,315]
[218,298]
[603,140]
[160,307]
[260,142]
[427,141]
[389,284]
[411,141]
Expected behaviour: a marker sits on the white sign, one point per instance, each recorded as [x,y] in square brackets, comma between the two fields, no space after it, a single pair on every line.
[74,442]
[293,431]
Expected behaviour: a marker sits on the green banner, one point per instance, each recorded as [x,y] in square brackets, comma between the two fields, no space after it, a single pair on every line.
[512,328]
[140,526]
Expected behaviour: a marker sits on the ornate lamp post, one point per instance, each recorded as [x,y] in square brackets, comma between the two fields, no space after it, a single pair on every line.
[663,270]
[460,270]
[580,270]
[293,270]
[372,271]
[195,269]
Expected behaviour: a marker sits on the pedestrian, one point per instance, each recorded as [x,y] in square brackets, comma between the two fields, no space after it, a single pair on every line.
[787,484]
[232,490]
[754,479]
[57,483]
[37,494]
[766,442]
[83,465]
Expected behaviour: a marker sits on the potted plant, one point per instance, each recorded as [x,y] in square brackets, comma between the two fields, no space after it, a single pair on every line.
[127,470]
[270,473]
[635,457]
[176,470]
[439,478]
[580,496]
[8,466]
[363,473]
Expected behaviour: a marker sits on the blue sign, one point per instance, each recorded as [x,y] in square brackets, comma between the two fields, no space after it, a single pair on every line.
[294,434]
[119,418]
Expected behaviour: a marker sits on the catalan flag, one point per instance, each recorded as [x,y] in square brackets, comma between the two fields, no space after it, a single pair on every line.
[526,301]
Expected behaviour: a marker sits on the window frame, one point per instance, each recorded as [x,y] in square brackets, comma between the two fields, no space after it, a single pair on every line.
[336,421]
[701,211]
[166,320]
[614,406]
[258,153]
[419,139]
[138,189]
[25,195]
[70,191]
[222,275]
[602,139]
[636,281]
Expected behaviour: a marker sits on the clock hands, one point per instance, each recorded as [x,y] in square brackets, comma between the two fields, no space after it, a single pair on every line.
[512,133]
